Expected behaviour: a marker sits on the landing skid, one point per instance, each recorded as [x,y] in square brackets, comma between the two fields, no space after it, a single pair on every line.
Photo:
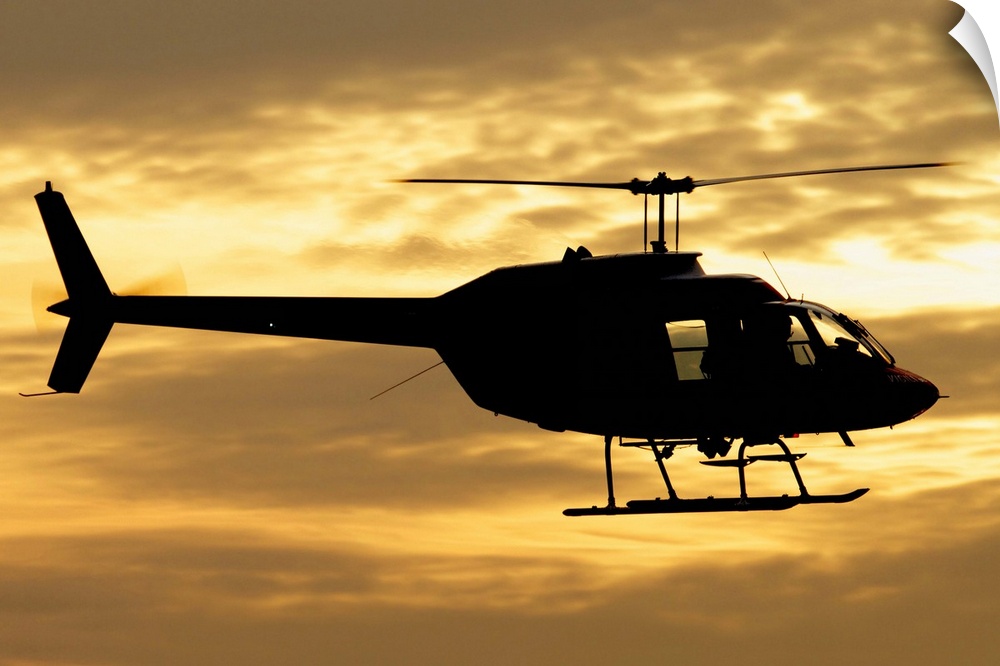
[743,503]
[716,504]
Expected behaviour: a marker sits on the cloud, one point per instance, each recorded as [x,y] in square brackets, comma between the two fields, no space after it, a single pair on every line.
[208,131]
[157,595]
[215,498]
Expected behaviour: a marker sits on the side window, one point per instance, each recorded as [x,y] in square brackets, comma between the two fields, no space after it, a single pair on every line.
[688,340]
[798,342]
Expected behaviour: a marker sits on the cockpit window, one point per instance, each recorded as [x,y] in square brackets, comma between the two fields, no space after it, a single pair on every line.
[770,342]
[689,341]
[816,329]
[798,342]
[835,335]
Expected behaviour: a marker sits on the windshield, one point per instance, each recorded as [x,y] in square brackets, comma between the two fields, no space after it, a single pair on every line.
[833,334]
[877,346]
[837,331]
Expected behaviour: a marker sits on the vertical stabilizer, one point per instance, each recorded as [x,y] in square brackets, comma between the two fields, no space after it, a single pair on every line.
[83,279]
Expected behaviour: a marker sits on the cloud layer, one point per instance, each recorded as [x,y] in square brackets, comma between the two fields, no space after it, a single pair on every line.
[221,498]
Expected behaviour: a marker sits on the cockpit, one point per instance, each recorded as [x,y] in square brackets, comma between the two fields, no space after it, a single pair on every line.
[835,330]
[772,339]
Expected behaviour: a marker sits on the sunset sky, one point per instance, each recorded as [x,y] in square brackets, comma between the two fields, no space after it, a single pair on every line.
[214,498]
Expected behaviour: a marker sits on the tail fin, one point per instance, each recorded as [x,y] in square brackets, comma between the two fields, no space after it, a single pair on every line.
[80,346]
[89,296]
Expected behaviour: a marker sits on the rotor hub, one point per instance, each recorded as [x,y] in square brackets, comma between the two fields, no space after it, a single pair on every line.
[661,185]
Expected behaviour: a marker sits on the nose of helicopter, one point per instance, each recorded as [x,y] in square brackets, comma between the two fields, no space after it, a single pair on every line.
[913,395]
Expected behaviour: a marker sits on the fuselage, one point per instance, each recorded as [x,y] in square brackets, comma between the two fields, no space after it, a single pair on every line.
[639,345]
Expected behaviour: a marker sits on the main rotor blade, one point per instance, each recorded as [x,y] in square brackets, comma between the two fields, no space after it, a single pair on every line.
[789,174]
[661,185]
[551,183]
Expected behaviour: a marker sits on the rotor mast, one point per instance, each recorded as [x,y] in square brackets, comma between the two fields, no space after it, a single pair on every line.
[661,186]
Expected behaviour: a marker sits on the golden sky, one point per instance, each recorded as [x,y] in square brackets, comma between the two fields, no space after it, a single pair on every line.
[212,498]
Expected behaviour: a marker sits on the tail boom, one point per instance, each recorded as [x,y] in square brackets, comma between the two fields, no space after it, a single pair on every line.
[93,309]
[387,321]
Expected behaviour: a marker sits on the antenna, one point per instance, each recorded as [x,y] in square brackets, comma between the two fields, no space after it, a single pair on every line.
[400,383]
[645,222]
[787,295]
[677,222]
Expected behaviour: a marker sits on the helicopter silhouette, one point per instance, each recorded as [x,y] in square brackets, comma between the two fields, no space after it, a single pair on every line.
[643,347]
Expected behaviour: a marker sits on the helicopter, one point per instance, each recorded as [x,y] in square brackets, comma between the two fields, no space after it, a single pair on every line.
[644,347]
